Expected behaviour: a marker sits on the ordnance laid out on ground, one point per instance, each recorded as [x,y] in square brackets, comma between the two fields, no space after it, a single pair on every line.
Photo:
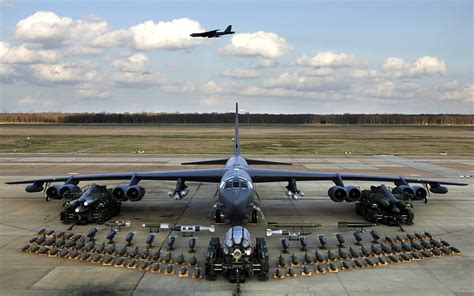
[84,248]
[237,258]
[186,230]
[91,204]
[381,252]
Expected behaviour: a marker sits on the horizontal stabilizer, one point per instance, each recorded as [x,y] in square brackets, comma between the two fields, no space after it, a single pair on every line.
[267,162]
[213,161]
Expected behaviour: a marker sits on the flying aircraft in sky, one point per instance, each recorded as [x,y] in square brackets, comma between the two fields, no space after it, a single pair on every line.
[214,33]
[236,192]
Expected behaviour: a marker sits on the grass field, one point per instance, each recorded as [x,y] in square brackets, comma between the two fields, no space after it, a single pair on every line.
[193,139]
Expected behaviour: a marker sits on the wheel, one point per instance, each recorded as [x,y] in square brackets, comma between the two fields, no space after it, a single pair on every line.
[210,273]
[218,218]
[254,216]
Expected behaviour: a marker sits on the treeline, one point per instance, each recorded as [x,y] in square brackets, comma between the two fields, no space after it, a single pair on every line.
[228,118]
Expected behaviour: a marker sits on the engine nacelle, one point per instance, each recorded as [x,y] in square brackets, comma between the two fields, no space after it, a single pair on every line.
[119,192]
[35,187]
[135,193]
[53,192]
[337,193]
[438,189]
[353,193]
[420,192]
[403,189]
[65,188]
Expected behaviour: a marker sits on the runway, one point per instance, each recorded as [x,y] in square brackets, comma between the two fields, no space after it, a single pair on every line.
[450,217]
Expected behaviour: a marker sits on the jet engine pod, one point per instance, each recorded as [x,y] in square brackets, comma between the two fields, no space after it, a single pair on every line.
[403,189]
[35,187]
[420,192]
[53,192]
[438,189]
[135,193]
[64,189]
[337,193]
[353,193]
[118,192]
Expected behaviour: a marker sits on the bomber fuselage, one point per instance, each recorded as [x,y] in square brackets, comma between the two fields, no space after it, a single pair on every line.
[236,192]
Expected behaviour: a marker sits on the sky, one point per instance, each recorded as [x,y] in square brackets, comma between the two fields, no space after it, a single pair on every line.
[285,56]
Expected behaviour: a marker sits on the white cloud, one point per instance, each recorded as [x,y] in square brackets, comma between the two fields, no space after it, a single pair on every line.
[28,100]
[242,73]
[466,93]
[31,101]
[10,54]
[178,86]
[263,63]
[212,87]
[306,83]
[91,90]
[423,66]
[428,66]
[166,35]
[43,26]
[331,59]
[138,79]
[135,63]
[80,50]
[59,73]
[267,45]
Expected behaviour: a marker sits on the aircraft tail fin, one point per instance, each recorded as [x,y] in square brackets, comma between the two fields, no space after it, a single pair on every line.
[228,29]
[236,130]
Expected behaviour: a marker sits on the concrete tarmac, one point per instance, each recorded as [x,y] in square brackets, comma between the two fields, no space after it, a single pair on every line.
[450,217]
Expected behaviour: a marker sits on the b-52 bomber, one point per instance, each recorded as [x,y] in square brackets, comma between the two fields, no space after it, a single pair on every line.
[214,33]
[236,203]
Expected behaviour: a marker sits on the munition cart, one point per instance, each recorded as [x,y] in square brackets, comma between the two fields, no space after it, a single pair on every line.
[379,205]
[102,206]
[237,259]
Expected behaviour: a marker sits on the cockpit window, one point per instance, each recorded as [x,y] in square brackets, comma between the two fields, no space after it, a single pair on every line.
[240,184]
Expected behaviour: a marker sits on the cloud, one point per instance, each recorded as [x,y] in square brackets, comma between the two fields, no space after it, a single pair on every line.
[60,73]
[85,35]
[43,26]
[331,59]
[242,73]
[178,86]
[423,66]
[428,66]
[267,45]
[212,87]
[10,54]
[92,90]
[31,101]
[263,63]
[166,35]
[466,94]
[138,79]
[135,63]
[306,83]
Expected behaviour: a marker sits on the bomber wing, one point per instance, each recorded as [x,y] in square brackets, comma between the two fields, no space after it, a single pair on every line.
[201,175]
[269,175]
